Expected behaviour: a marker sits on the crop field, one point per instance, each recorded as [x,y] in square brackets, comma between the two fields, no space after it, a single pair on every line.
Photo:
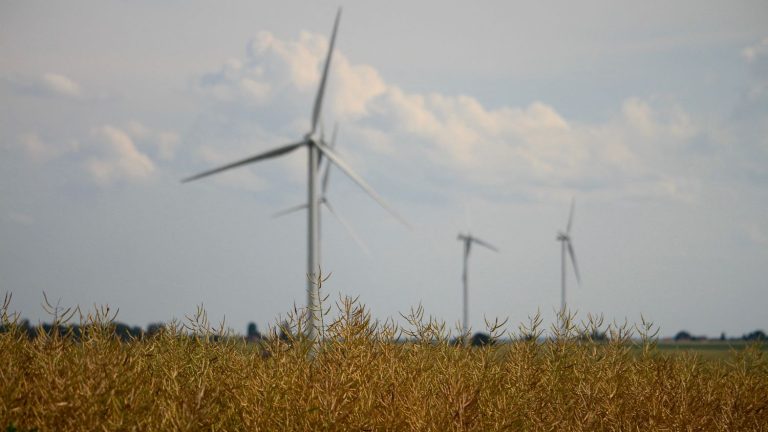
[708,350]
[192,377]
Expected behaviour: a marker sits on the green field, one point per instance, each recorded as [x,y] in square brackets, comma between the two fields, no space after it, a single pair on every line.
[707,350]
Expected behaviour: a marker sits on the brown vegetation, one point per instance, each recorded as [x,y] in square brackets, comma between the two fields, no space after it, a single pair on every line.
[190,377]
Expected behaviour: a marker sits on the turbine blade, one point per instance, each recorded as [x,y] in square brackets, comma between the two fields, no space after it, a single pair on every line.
[266,155]
[573,260]
[348,227]
[570,217]
[328,165]
[322,138]
[467,217]
[333,135]
[326,174]
[290,210]
[486,244]
[323,79]
[339,162]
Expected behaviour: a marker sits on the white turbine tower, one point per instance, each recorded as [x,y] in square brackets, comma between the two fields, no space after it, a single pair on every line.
[323,200]
[567,247]
[468,239]
[316,148]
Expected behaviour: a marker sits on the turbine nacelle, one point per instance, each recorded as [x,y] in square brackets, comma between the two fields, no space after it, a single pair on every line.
[468,239]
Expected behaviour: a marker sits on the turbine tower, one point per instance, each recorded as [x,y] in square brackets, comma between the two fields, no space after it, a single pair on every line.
[567,247]
[323,201]
[468,239]
[317,148]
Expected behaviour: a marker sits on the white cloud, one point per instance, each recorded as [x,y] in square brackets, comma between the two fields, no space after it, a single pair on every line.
[756,57]
[650,123]
[40,150]
[298,58]
[60,85]
[356,86]
[256,91]
[118,158]
[109,155]
[526,149]
[167,142]
[34,148]
[163,143]
[755,52]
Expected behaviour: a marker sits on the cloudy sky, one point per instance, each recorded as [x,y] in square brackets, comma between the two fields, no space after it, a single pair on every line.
[486,116]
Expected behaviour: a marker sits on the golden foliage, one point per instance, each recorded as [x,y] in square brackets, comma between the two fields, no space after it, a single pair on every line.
[369,376]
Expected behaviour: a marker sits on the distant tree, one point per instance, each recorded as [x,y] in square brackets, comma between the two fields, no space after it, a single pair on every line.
[683,336]
[155,328]
[595,335]
[253,331]
[757,335]
[481,339]
[285,329]
[722,336]
[123,331]
[23,326]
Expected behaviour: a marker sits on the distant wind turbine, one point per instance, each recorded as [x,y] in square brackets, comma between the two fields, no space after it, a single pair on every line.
[317,148]
[567,246]
[326,168]
[468,239]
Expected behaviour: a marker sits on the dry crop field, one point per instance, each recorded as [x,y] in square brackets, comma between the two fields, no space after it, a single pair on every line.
[191,377]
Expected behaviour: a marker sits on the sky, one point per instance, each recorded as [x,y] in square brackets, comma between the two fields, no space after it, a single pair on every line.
[486,117]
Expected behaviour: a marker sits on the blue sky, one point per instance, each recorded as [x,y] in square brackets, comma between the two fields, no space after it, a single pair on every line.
[654,117]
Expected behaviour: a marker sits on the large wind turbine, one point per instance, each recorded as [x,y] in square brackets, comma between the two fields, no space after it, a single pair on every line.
[323,201]
[567,247]
[468,239]
[316,148]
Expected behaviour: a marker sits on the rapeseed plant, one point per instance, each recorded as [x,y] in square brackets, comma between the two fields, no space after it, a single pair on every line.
[367,375]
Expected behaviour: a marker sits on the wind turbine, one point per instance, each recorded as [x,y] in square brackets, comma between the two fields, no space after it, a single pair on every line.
[323,200]
[316,148]
[468,239]
[567,244]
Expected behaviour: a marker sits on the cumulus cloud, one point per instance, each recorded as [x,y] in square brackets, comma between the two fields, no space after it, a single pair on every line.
[117,158]
[532,148]
[754,53]
[60,85]
[756,57]
[48,85]
[298,59]
[270,66]
[109,154]
[161,143]
[40,150]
